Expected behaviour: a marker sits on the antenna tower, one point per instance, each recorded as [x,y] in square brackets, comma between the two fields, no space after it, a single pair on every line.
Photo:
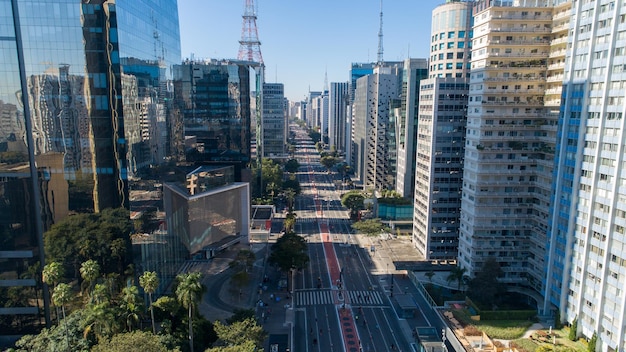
[249,45]
[380,35]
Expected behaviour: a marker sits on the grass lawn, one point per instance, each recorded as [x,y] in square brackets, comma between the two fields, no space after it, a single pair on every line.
[495,329]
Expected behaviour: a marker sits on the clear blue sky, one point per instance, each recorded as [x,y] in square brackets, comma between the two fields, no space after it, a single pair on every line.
[302,39]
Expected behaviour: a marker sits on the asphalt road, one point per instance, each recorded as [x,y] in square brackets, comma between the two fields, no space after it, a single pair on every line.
[339,304]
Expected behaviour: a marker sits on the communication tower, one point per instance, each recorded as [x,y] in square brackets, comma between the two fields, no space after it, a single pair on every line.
[249,45]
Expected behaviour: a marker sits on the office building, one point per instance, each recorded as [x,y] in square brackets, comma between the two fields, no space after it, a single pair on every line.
[442,115]
[357,70]
[213,97]
[372,106]
[337,105]
[405,120]
[274,120]
[313,110]
[63,142]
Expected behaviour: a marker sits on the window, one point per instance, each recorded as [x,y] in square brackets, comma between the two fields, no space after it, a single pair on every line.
[461,34]
[460,45]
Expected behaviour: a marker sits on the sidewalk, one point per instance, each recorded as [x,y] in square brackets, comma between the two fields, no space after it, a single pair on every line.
[223,296]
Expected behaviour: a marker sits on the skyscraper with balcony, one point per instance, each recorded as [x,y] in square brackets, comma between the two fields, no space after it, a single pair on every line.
[64,145]
[509,142]
[586,276]
[442,113]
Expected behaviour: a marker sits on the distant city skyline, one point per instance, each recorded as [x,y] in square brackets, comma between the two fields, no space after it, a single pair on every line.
[301,42]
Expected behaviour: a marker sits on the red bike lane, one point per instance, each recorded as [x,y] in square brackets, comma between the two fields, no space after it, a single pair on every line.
[346,320]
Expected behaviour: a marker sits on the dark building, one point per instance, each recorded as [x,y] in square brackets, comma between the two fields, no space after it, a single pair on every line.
[213,98]
[64,103]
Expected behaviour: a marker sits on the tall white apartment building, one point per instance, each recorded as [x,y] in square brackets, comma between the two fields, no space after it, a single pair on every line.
[442,115]
[588,241]
[508,153]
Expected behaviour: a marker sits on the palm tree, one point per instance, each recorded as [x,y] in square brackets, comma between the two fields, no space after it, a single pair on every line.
[188,293]
[456,274]
[61,296]
[149,281]
[130,305]
[51,275]
[89,271]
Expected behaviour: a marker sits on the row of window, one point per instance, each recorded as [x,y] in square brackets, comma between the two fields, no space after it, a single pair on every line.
[450,35]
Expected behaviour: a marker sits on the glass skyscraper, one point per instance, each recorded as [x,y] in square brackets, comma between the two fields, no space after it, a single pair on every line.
[83,93]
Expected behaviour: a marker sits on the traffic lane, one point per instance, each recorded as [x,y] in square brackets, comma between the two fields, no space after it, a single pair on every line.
[323,330]
[355,273]
[380,330]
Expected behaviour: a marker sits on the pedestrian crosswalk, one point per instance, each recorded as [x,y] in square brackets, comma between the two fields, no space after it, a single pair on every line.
[321,297]
[323,220]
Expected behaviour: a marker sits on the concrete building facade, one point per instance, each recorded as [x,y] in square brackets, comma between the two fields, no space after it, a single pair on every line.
[504,209]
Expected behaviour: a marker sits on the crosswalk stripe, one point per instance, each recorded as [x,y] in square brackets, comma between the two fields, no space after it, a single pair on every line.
[321,297]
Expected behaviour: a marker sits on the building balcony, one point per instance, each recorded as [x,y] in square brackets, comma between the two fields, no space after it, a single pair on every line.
[532,42]
[557,53]
[519,16]
[561,28]
[557,66]
[520,30]
[559,41]
[515,92]
[555,78]
[542,54]
[514,78]
[511,102]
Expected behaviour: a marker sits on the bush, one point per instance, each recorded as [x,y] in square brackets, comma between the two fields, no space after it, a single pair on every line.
[472,330]
[508,314]
[523,345]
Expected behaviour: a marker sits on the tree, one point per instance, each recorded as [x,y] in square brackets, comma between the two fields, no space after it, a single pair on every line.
[240,315]
[430,275]
[55,338]
[593,341]
[292,166]
[130,306]
[289,252]
[82,237]
[353,200]
[328,161]
[189,291]
[456,274]
[370,227]
[290,194]
[149,281]
[289,222]
[51,275]
[292,184]
[90,271]
[136,341]
[485,288]
[244,259]
[247,346]
[573,330]
[239,333]
[61,296]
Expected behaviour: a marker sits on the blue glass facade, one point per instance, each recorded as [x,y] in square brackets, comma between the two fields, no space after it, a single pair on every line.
[69,109]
